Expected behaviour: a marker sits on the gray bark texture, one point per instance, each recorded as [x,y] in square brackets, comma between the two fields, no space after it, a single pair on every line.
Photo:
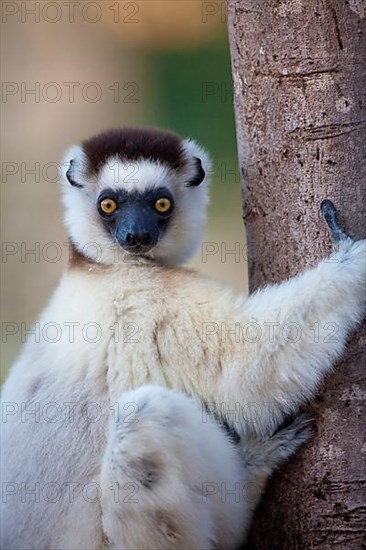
[299,72]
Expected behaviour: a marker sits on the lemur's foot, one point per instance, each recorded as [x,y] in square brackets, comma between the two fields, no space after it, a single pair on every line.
[329,213]
[271,451]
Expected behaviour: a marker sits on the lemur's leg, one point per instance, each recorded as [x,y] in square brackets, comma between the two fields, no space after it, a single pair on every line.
[162,476]
[304,324]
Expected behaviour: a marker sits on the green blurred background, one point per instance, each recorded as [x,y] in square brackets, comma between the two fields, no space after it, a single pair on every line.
[155,62]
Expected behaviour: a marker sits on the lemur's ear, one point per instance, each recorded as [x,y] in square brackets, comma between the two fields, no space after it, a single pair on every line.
[200,174]
[198,161]
[73,166]
[70,175]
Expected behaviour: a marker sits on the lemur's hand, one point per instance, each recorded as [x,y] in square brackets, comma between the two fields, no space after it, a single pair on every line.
[337,232]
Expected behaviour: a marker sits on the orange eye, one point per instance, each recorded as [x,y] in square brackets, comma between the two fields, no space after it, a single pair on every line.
[163,205]
[108,206]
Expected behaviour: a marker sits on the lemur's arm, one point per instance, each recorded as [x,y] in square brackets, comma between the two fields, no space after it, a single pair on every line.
[289,336]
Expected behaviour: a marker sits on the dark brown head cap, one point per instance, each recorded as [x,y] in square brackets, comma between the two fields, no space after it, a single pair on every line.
[131,144]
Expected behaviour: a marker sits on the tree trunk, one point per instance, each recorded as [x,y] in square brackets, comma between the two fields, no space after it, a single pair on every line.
[299,70]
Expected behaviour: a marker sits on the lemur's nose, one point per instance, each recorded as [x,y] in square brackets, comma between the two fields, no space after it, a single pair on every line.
[138,239]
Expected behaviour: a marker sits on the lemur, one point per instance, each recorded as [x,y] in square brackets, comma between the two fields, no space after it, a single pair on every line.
[113,434]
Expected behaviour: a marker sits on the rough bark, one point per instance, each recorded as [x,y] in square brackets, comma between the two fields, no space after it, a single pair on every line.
[299,71]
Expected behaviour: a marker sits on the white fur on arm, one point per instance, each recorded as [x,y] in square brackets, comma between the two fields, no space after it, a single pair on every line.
[303,325]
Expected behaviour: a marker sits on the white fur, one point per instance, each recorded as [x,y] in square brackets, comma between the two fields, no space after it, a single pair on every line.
[152,330]
[171,328]
[175,469]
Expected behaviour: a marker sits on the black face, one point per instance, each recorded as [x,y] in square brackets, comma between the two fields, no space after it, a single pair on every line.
[136,220]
